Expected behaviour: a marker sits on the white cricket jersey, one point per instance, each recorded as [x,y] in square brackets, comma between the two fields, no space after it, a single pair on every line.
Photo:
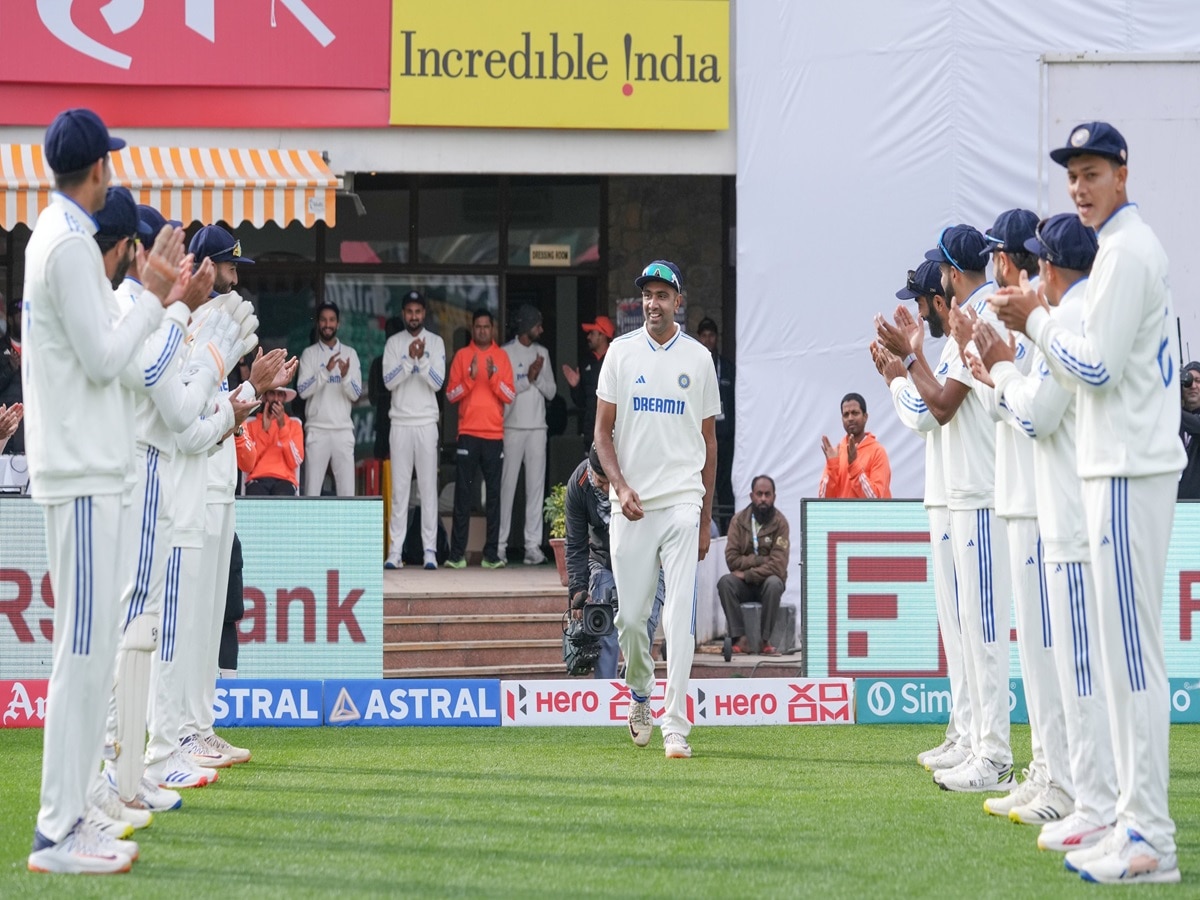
[663,394]
[192,476]
[328,396]
[79,422]
[164,404]
[915,415]
[414,383]
[1124,362]
[1044,407]
[969,438]
[528,410]
[1015,494]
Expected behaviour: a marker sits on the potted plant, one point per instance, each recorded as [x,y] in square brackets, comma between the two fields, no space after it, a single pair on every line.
[554,511]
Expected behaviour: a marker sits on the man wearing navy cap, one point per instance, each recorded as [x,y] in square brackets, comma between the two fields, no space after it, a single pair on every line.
[215,243]
[1047,793]
[1047,410]
[79,427]
[117,233]
[1130,457]
[657,403]
[924,285]
[969,462]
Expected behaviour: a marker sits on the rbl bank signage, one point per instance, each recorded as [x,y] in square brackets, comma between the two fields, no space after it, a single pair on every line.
[197,62]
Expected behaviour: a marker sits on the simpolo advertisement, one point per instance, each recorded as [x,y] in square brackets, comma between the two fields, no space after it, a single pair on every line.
[312,587]
[868,587]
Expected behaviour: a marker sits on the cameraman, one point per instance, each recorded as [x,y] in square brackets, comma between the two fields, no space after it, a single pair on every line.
[589,566]
[1189,431]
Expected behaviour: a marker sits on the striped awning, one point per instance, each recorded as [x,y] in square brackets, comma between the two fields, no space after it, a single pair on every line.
[191,184]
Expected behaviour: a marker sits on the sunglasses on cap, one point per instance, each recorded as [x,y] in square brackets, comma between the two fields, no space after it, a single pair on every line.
[661,273]
[946,252]
[1047,253]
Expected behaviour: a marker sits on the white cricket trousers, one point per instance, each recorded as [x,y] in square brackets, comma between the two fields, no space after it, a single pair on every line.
[177,649]
[200,684]
[325,446]
[414,447]
[1035,649]
[523,446]
[984,612]
[1080,671]
[149,523]
[84,553]
[1129,526]
[670,537]
[945,595]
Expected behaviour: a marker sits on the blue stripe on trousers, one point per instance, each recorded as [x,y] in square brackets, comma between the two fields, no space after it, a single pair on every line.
[170,607]
[1126,595]
[141,585]
[1077,601]
[1047,632]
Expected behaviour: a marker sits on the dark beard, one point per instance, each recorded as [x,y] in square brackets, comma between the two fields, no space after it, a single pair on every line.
[936,328]
[764,514]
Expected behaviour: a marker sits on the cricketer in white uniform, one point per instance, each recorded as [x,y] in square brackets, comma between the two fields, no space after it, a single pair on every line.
[330,383]
[969,462]
[657,403]
[79,430]
[1130,456]
[1047,792]
[414,370]
[1045,408]
[525,433]
[924,285]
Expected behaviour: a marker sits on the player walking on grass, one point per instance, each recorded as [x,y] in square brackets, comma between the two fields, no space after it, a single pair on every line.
[1130,457]
[656,409]
[79,433]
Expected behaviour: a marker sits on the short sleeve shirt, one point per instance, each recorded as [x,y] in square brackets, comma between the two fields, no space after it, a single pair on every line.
[663,394]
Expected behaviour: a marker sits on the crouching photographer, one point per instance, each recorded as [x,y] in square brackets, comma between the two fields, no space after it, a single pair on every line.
[590,583]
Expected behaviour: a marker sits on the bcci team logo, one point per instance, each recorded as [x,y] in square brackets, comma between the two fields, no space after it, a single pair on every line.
[1079,137]
[684,381]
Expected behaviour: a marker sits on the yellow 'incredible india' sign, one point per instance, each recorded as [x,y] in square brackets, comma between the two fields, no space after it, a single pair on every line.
[645,64]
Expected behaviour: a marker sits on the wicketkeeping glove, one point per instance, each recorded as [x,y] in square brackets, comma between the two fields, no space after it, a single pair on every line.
[213,340]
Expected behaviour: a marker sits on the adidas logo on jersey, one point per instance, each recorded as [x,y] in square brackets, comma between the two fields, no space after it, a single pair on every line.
[946,536]
[1031,561]
[1105,542]
[641,379]
[971,543]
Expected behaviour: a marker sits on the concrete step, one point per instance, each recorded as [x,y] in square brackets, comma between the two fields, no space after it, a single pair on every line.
[442,606]
[432,629]
[456,654]
[510,672]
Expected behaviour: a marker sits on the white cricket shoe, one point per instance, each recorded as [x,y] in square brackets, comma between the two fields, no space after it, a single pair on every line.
[105,824]
[106,798]
[1029,788]
[676,746]
[1074,833]
[941,748]
[534,556]
[977,775]
[1051,804]
[84,851]
[220,745]
[641,722]
[430,559]
[1133,860]
[955,756]
[202,754]
[394,561]
[150,796]
[178,771]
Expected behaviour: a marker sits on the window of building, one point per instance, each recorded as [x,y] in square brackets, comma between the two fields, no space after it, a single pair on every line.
[563,214]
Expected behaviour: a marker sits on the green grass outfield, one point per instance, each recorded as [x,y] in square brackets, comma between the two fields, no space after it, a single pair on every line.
[539,812]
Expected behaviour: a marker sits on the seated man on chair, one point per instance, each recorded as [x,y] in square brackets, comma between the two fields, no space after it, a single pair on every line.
[756,551]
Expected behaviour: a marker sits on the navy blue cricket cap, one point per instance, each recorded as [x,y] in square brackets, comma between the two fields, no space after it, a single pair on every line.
[1064,240]
[960,246]
[660,270]
[414,297]
[151,222]
[215,243]
[1096,139]
[1012,229]
[76,139]
[923,281]
[119,217]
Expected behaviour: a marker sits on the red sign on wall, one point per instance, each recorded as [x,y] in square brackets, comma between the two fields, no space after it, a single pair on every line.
[197,62]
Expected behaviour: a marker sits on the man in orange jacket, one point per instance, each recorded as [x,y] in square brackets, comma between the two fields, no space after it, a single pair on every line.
[858,467]
[481,383]
[270,448]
